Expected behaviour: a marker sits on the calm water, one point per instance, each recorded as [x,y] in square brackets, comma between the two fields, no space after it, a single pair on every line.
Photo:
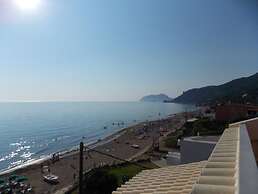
[33,130]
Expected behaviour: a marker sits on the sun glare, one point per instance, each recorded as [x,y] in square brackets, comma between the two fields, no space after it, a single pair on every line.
[27,5]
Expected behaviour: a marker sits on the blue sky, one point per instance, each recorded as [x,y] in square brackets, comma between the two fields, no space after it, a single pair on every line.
[120,50]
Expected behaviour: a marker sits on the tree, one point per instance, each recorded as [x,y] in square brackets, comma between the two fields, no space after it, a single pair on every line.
[100,182]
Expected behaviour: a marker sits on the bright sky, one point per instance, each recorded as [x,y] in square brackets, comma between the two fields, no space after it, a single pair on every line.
[121,50]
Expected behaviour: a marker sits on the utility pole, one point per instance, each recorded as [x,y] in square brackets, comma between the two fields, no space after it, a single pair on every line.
[81,169]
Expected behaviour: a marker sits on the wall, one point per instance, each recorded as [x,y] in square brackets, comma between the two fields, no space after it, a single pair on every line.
[248,172]
[252,128]
[230,113]
[234,112]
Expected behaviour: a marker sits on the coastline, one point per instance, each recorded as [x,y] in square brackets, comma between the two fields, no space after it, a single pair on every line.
[67,152]
[119,144]
[75,149]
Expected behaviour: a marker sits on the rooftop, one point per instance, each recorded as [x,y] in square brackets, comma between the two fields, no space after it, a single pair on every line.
[164,180]
[230,169]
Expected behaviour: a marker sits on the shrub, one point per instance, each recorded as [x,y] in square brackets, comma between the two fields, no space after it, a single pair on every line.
[171,141]
[207,127]
[100,182]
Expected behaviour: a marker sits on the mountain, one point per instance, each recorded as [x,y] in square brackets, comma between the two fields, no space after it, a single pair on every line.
[156,98]
[242,90]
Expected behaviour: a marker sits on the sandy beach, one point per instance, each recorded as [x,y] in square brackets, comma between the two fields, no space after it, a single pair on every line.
[118,144]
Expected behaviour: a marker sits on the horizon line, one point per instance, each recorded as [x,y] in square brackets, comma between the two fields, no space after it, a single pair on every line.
[38,101]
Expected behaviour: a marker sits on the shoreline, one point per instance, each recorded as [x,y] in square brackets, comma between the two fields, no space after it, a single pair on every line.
[67,152]
[75,149]
[118,144]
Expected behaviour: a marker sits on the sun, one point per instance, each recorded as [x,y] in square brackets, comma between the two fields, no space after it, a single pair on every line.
[27,5]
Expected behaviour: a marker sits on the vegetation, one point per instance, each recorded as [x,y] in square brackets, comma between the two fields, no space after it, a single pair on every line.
[243,90]
[171,142]
[100,181]
[123,174]
[204,127]
[200,127]
[106,179]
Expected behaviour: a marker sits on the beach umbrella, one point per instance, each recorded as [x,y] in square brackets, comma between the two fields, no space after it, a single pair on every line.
[21,179]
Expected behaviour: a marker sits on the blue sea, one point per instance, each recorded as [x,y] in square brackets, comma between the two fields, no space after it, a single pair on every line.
[30,131]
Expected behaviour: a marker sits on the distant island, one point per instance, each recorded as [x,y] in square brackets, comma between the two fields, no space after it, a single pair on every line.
[242,90]
[156,98]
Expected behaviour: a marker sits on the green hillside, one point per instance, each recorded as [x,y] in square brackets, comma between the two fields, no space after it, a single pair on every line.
[242,90]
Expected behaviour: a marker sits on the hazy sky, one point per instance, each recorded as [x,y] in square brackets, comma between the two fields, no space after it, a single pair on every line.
[120,50]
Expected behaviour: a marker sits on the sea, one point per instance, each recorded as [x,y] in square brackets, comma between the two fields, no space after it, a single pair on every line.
[30,131]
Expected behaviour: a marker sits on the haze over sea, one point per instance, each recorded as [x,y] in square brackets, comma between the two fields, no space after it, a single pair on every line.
[36,129]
